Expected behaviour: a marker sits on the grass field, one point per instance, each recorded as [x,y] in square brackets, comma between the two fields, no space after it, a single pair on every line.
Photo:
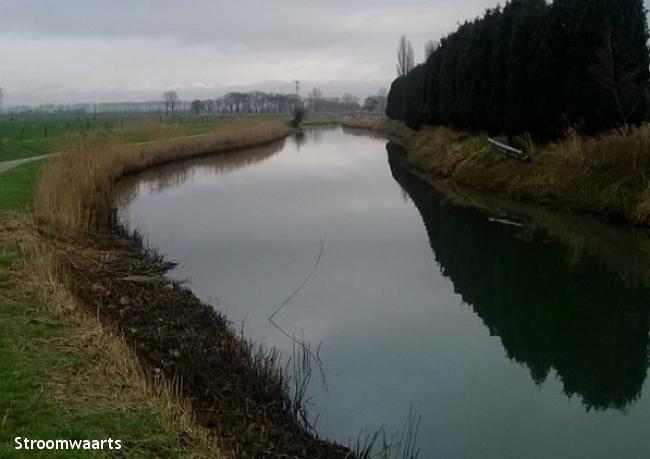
[25,137]
[61,375]
[17,186]
[53,127]
[34,136]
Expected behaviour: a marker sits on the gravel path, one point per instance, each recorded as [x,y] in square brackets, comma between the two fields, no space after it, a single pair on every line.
[8,165]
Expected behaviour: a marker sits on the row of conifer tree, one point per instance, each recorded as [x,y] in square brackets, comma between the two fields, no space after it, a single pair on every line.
[534,67]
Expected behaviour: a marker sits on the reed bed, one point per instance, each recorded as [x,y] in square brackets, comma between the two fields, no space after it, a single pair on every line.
[605,175]
[74,196]
[228,396]
[213,383]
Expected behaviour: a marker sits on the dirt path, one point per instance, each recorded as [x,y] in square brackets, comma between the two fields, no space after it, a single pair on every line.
[8,165]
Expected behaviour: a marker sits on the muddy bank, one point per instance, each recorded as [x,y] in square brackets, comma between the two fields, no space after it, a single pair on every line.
[236,389]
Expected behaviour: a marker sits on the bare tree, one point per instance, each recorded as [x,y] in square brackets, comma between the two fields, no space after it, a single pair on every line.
[382,94]
[227,103]
[405,56]
[371,104]
[210,105]
[257,99]
[297,101]
[350,103]
[171,99]
[2,96]
[350,99]
[617,74]
[430,47]
[315,96]
[239,100]
[197,107]
[167,102]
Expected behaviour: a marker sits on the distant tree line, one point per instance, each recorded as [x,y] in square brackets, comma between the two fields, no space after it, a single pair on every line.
[230,103]
[81,109]
[261,102]
[534,67]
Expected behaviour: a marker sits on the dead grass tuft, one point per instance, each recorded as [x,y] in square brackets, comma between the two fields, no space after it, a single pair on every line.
[74,196]
[605,175]
[116,376]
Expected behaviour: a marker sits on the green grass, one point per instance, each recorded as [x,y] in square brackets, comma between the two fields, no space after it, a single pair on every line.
[53,127]
[12,149]
[49,387]
[17,186]
[37,357]
[34,136]
[25,137]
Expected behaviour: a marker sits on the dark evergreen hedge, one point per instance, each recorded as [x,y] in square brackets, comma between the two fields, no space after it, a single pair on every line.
[534,67]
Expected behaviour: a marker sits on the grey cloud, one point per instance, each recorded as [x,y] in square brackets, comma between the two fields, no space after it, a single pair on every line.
[56,49]
[293,24]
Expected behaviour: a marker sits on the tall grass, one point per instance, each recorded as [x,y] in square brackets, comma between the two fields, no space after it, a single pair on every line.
[623,151]
[74,196]
[108,386]
[607,175]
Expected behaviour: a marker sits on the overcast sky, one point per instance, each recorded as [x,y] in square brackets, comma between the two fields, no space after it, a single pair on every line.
[114,50]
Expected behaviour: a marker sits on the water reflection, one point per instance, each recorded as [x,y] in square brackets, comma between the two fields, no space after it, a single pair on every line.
[582,319]
[565,297]
[172,175]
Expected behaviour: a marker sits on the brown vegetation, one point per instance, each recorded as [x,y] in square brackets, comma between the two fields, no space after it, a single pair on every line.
[75,193]
[237,391]
[605,175]
[114,379]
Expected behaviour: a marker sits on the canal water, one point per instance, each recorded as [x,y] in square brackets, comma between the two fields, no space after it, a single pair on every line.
[509,334]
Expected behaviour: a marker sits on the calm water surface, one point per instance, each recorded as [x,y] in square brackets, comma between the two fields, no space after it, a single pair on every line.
[509,341]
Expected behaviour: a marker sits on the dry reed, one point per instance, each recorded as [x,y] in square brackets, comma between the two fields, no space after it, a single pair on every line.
[606,175]
[252,412]
[116,373]
[74,196]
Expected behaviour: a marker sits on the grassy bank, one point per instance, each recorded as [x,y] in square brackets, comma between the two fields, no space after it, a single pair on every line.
[75,193]
[605,175]
[623,249]
[62,375]
[17,187]
[34,136]
[240,393]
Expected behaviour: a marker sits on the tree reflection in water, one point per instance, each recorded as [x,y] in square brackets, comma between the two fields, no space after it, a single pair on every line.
[581,318]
